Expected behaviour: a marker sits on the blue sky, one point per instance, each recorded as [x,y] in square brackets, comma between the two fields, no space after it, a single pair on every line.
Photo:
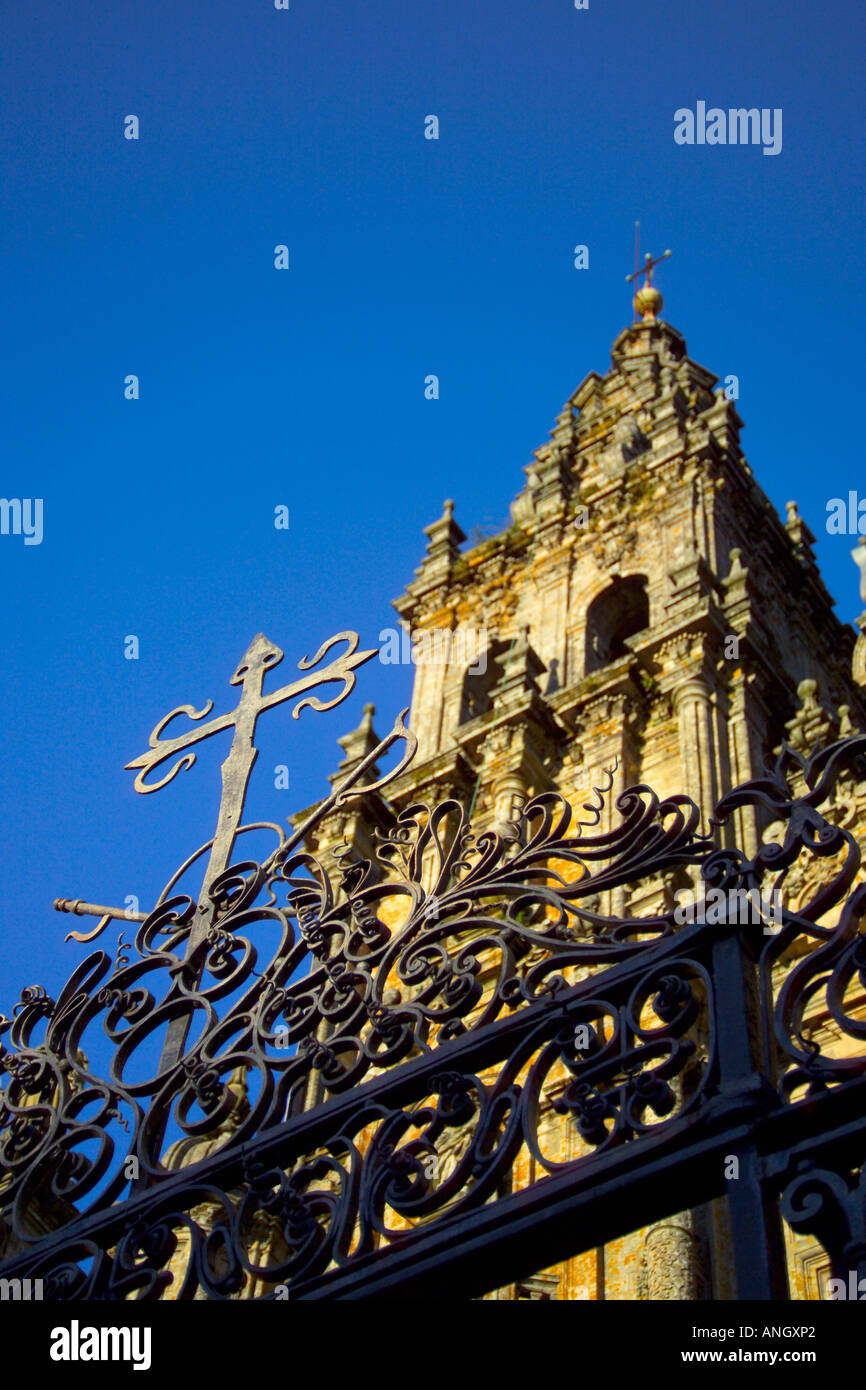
[305,387]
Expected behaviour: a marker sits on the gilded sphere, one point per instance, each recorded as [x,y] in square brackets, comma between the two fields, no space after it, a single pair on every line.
[648,302]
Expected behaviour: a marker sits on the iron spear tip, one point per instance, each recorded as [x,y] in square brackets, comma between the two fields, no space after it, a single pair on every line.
[261,652]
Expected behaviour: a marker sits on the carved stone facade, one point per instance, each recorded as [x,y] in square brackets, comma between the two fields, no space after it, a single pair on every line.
[646,618]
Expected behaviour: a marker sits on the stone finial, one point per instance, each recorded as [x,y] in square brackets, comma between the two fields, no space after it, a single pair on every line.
[521,662]
[357,745]
[808,693]
[445,532]
[794,524]
[801,536]
[811,724]
[444,538]
[737,590]
[736,571]
[521,666]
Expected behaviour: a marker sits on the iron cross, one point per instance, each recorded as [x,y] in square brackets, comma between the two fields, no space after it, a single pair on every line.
[260,657]
[649,264]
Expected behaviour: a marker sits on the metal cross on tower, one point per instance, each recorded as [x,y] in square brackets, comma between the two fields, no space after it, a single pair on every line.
[649,264]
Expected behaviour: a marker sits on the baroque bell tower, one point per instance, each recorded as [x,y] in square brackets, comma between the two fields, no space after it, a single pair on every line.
[647,617]
[647,611]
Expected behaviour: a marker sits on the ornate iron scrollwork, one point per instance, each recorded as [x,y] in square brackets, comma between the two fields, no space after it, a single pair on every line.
[358,1059]
[812,865]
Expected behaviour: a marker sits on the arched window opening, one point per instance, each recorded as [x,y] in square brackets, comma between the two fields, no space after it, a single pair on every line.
[617,613]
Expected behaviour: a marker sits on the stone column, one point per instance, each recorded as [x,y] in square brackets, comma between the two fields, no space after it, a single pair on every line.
[745,834]
[671,1265]
[694,712]
[509,797]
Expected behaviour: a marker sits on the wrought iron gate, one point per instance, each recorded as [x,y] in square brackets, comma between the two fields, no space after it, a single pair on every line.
[337,1081]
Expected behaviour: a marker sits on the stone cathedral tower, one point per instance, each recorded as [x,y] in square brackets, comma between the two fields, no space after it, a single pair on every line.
[646,618]
[646,610]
